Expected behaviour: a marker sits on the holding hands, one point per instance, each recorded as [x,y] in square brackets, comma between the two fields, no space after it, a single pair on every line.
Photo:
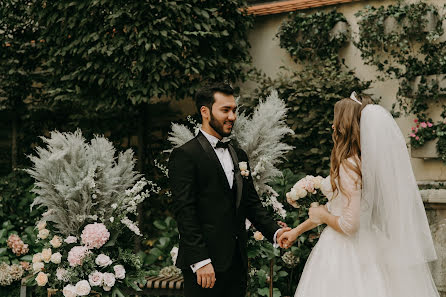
[286,239]
[318,215]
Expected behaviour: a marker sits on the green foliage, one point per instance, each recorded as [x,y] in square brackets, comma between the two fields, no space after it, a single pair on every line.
[20,75]
[15,199]
[158,254]
[311,95]
[114,51]
[401,40]
[441,144]
[12,290]
[67,65]
[260,253]
[311,36]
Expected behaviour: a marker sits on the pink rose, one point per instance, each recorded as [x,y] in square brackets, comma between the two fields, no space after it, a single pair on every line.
[119,271]
[82,288]
[417,138]
[429,124]
[423,125]
[95,278]
[103,261]
[108,280]
[69,291]
[412,135]
[415,121]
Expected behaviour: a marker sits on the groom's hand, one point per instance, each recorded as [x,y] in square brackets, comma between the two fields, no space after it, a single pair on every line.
[280,232]
[206,276]
[287,238]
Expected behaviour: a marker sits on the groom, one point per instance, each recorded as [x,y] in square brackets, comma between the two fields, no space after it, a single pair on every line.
[211,201]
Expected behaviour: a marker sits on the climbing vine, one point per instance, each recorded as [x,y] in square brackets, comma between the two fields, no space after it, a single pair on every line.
[403,41]
[314,36]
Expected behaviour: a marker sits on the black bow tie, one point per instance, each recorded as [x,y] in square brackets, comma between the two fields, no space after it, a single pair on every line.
[223,145]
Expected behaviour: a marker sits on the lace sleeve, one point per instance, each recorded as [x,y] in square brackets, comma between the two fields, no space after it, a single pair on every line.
[349,220]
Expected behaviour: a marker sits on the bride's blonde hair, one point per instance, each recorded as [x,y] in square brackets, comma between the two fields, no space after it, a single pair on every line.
[346,139]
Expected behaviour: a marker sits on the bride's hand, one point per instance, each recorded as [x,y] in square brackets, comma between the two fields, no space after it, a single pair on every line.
[287,239]
[317,214]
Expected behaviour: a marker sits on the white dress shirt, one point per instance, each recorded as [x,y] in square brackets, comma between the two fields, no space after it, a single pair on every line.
[223,155]
[226,163]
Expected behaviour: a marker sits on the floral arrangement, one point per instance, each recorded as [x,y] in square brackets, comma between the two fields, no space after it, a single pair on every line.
[15,261]
[422,132]
[84,251]
[304,192]
[90,261]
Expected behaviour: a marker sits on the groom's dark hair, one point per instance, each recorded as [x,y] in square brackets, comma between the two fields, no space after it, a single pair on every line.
[205,95]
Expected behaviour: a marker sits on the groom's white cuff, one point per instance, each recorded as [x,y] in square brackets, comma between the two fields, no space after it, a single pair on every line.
[200,264]
[275,244]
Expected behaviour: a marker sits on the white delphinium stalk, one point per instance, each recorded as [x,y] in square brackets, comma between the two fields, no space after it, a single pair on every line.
[131,225]
[163,168]
[75,179]
[135,196]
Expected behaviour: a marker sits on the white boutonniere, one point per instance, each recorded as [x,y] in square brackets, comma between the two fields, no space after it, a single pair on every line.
[244,169]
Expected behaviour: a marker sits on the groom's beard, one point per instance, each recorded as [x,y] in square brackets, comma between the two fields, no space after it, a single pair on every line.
[219,126]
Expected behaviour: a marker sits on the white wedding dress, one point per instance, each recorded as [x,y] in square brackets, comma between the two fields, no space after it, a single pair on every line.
[386,245]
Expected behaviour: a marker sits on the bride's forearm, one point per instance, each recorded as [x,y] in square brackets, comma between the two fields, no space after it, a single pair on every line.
[305,226]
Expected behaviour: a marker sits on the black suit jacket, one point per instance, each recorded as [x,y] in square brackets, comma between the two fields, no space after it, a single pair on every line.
[210,216]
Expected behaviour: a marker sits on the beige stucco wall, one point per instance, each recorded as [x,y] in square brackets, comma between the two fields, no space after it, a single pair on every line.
[269,57]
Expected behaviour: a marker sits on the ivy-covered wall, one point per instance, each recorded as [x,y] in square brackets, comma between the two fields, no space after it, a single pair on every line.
[270,58]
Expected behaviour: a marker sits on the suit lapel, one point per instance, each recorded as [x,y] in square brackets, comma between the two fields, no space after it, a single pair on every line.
[237,175]
[213,156]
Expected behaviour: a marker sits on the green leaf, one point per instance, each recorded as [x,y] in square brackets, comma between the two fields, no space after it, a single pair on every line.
[263,291]
[27,258]
[117,293]
[160,225]
[3,251]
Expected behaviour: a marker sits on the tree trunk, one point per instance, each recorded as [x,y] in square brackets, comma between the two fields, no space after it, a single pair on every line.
[14,141]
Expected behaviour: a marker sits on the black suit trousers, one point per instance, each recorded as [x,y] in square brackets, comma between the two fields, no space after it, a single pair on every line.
[229,283]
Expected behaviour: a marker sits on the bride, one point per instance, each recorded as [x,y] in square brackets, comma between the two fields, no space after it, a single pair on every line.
[377,242]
